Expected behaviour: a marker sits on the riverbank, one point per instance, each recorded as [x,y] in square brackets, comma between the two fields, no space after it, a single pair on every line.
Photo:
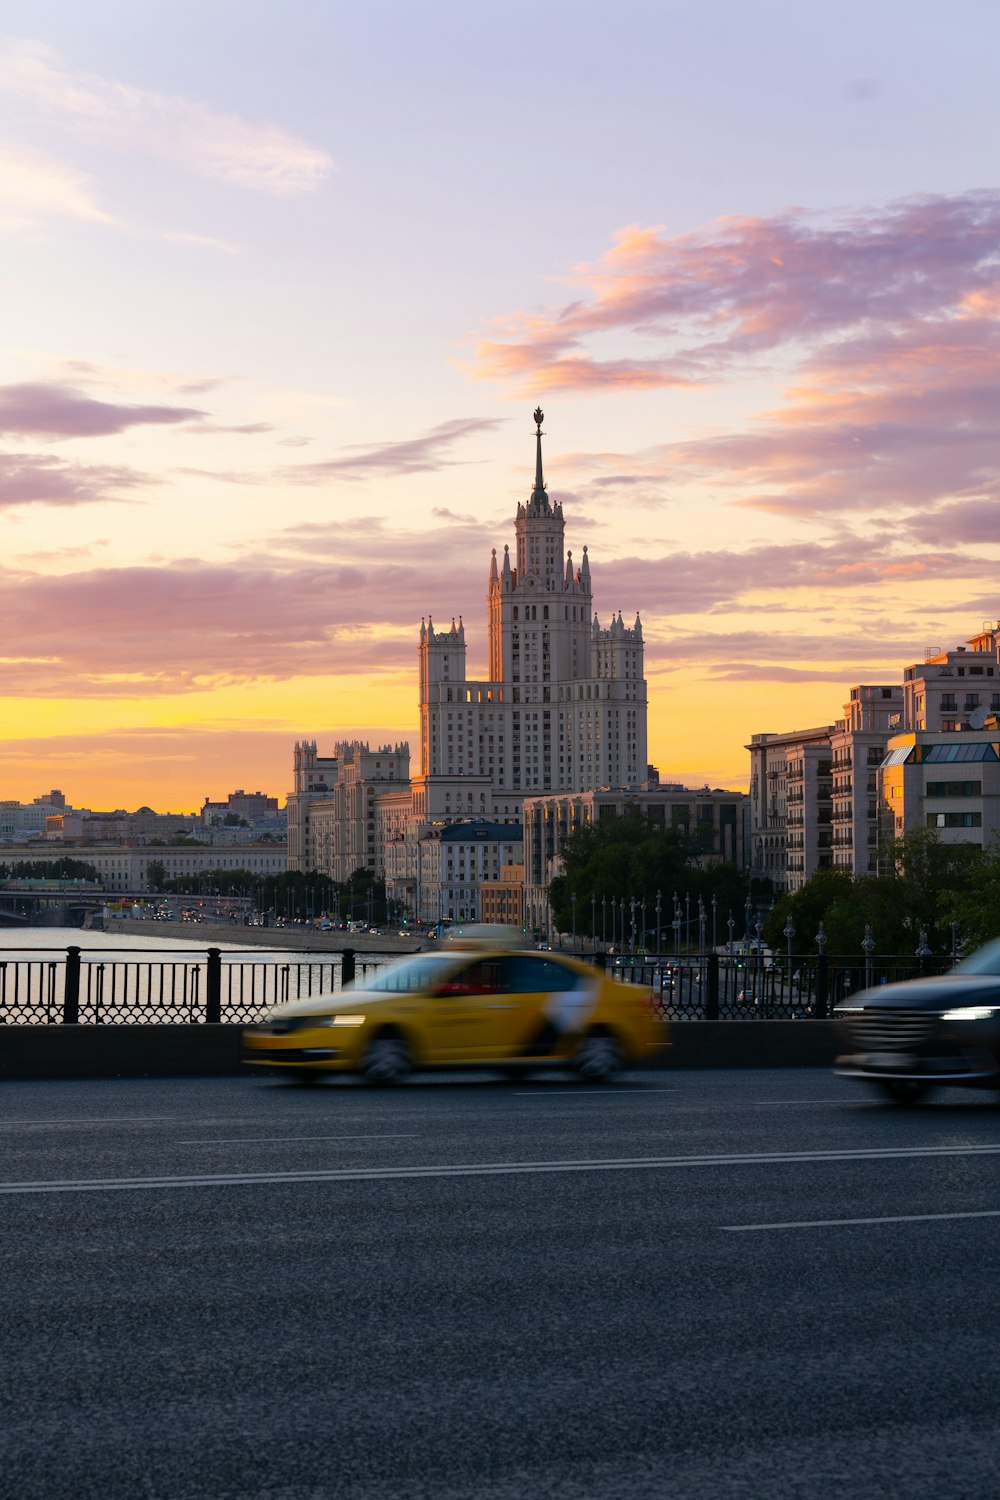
[212,934]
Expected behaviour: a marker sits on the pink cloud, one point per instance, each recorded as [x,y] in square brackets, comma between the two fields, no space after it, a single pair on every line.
[36,479]
[57,411]
[418,455]
[745,286]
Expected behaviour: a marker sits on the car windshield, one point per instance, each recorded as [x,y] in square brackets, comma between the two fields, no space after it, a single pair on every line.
[983,961]
[419,973]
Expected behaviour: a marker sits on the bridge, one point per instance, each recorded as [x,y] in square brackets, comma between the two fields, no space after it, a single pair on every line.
[25,903]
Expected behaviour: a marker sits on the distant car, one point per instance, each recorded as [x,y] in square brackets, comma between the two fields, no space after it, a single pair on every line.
[477,1006]
[906,1038]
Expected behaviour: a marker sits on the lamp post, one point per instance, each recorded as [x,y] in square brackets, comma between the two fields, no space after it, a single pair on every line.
[730,923]
[659,935]
[604,920]
[687,921]
[868,944]
[642,928]
[789,934]
[702,914]
[631,908]
[715,908]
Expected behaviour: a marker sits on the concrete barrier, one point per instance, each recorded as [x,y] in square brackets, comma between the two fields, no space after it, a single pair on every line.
[177,1051]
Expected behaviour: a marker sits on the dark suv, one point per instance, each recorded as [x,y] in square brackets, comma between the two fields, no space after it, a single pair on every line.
[905,1038]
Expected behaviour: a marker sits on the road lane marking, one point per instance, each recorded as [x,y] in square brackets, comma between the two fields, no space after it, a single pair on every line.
[569,1092]
[979,1213]
[275,1140]
[486,1169]
[90,1120]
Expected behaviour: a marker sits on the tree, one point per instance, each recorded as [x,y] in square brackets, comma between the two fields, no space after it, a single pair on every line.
[631,858]
[932,885]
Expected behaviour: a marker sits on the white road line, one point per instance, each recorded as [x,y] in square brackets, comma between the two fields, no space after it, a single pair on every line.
[276,1140]
[982,1213]
[91,1120]
[569,1092]
[484,1169]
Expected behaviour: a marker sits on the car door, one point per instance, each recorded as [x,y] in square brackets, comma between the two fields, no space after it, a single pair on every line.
[462,1012]
[546,1005]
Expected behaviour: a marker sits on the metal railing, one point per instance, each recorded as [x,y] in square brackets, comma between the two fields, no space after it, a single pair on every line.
[713,987]
[69,986]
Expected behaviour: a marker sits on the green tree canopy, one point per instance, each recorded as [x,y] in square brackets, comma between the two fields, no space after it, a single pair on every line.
[631,858]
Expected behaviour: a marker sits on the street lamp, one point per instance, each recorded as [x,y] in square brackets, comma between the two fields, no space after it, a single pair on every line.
[715,907]
[604,920]
[659,938]
[701,925]
[642,928]
[868,944]
[789,930]
[631,907]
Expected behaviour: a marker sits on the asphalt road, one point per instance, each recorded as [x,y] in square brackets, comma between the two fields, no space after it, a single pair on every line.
[739,1284]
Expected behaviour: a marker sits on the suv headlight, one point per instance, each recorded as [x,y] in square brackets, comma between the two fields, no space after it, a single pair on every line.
[970,1013]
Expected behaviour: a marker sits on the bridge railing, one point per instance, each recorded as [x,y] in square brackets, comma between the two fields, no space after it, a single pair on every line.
[711,987]
[70,986]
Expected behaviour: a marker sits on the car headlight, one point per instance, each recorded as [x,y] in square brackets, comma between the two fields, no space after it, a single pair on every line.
[970,1013]
[340,1021]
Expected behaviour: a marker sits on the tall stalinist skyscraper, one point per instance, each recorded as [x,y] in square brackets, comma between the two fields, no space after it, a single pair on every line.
[564,707]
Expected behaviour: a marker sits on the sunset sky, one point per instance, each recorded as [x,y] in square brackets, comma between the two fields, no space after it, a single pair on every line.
[282,283]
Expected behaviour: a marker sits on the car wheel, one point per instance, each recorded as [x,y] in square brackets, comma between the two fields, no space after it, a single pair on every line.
[386,1059]
[598,1057]
[904,1090]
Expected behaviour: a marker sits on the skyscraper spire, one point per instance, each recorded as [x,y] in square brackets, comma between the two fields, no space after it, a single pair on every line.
[538,417]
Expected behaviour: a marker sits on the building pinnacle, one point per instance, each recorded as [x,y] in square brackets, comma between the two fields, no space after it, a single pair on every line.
[538,417]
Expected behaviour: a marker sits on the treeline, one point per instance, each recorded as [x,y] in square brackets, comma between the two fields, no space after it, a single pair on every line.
[292,893]
[631,859]
[944,894]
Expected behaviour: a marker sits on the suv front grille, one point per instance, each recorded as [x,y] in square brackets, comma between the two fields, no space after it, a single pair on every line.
[892,1030]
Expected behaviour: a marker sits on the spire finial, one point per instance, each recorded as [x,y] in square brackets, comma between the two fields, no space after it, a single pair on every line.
[538,416]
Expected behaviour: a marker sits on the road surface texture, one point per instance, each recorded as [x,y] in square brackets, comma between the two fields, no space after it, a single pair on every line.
[718,1284]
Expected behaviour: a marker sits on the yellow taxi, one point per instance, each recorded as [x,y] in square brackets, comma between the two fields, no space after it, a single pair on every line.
[479,1003]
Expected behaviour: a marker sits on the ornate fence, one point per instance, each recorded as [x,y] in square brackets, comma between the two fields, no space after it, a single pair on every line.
[68,986]
[711,987]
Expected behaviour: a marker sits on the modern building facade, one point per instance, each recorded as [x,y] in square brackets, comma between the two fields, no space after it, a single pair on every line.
[839,796]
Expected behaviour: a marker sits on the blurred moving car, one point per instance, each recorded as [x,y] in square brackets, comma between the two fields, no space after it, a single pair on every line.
[476,1002]
[905,1038]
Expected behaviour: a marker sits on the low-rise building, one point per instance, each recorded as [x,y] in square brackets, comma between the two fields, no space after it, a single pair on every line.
[437,873]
